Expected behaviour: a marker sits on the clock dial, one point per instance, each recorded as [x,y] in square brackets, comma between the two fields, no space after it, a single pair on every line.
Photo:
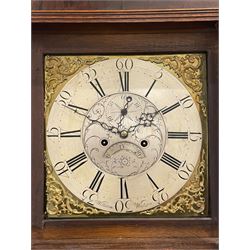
[124,135]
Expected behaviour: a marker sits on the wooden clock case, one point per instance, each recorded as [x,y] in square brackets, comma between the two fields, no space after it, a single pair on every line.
[123,27]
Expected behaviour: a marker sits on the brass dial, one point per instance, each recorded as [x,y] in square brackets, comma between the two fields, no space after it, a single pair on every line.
[124,135]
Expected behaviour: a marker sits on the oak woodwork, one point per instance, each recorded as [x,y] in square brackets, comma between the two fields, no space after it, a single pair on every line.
[122,4]
[126,236]
[124,11]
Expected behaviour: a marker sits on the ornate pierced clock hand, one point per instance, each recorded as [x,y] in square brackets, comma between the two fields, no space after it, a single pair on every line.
[146,120]
[104,125]
[124,111]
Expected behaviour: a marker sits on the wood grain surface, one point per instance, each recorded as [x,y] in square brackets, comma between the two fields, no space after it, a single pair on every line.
[124,11]
[121,4]
[133,236]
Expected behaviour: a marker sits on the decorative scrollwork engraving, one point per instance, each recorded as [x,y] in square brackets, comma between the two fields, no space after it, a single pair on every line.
[58,69]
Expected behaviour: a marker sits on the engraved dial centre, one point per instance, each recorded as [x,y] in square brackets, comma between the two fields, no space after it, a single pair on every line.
[128,136]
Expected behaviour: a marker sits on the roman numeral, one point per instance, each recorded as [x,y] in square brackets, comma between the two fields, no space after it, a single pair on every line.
[171,161]
[97,181]
[177,135]
[167,109]
[61,168]
[97,87]
[67,134]
[123,189]
[73,133]
[75,108]
[72,164]
[124,80]
[186,102]
[152,85]
[77,161]
[152,181]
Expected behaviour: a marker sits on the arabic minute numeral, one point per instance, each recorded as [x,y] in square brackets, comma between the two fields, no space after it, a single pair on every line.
[195,136]
[89,196]
[124,66]
[123,204]
[185,171]
[157,76]
[185,102]
[64,98]
[57,133]
[72,164]
[94,82]
[160,195]
[61,169]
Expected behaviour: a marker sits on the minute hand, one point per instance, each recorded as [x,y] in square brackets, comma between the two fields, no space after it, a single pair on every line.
[104,125]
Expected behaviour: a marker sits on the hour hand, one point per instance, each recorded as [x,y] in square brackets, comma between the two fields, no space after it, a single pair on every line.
[79,111]
[146,120]
[124,111]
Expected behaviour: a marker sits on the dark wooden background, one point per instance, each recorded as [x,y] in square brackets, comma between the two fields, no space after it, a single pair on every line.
[120,27]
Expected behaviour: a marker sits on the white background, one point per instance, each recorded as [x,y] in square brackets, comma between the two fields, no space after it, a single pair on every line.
[15,120]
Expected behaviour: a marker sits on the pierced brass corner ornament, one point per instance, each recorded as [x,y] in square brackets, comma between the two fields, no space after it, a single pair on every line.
[60,202]
[190,200]
[190,69]
[59,69]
